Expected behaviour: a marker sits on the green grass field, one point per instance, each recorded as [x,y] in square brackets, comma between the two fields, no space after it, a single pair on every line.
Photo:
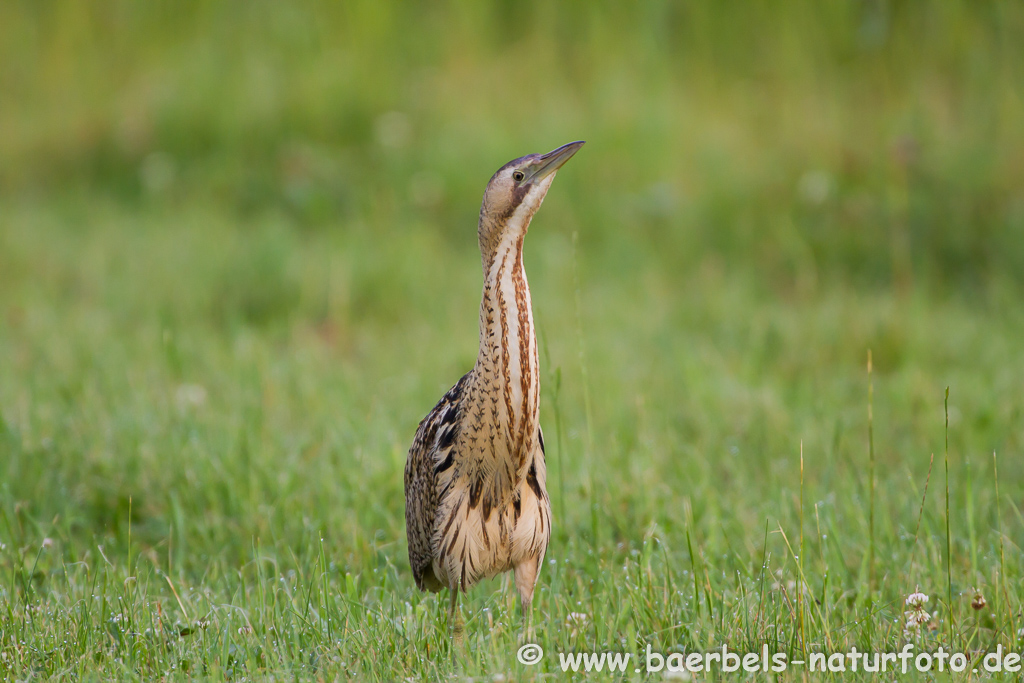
[238,265]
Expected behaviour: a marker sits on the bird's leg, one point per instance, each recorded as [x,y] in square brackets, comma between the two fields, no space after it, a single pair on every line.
[526,604]
[526,579]
[455,625]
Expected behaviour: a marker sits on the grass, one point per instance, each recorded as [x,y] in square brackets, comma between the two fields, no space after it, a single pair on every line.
[237,266]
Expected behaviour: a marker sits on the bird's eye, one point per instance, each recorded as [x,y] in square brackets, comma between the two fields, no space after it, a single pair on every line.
[518,176]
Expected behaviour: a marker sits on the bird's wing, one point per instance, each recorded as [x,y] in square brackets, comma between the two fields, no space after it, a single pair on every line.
[431,449]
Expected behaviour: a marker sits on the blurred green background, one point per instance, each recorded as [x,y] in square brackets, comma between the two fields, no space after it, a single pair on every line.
[238,264]
[869,142]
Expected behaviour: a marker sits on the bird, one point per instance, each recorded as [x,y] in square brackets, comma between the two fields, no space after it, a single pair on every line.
[476,499]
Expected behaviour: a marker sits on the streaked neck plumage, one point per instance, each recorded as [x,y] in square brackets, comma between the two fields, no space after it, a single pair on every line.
[507,361]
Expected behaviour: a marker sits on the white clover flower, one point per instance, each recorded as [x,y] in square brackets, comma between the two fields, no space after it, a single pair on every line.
[916,619]
[577,618]
[917,616]
[576,621]
[916,600]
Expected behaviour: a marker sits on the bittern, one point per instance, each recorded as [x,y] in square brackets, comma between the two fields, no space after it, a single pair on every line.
[475,498]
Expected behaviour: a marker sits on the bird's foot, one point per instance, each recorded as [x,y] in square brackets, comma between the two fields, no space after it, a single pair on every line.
[458,630]
[456,626]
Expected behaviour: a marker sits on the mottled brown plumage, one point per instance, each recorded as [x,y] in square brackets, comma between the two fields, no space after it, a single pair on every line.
[476,502]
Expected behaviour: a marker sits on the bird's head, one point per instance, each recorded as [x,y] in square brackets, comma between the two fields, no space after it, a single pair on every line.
[514,194]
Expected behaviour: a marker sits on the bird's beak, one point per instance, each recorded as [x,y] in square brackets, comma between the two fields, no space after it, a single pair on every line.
[553,160]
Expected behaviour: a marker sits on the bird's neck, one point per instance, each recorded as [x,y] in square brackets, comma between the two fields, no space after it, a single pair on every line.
[507,363]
